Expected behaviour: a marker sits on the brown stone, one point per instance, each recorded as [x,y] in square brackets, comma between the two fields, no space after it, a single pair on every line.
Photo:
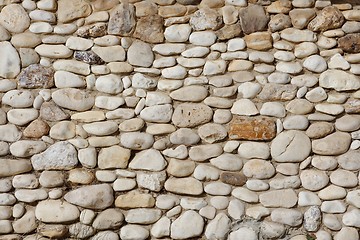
[150,29]
[36,129]
[228,31]
[253,19]
[280,6]
[52,230]
[122,20]
[94,30]
[300,18]
[101,5]
[259,41]
[52,112]
[279,22]
[350,43]
[135,199]
[188,2]
[329,18]
[278,92]
[37,76]
[176,10]
[236,179]
[259,128]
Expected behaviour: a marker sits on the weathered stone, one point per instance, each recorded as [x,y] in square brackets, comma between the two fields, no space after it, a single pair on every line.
[122,20]
[108,219]
[205,19]
[51,112]
[350,43]
[9,133]
[189,220]
[61,155]
[271,199]
[73,99]
[290,217]
[150,160]
[14,18]
[189,186]
[10,62]
[94,197]
[329,18]
[191,114]
[93,30]
[11,167]
[339,80]
[252,128]
[113,157]
[253,19]
[69,10]
[333,144]
[140,54]
[260,41]
[135,199]
[150,29]
[37,76]
[235,179]
[260,169]
[88,57]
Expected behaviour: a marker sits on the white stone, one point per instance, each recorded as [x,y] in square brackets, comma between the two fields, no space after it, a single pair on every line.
[190,224]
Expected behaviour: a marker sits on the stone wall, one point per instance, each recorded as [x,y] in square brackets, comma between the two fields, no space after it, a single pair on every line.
[186,119]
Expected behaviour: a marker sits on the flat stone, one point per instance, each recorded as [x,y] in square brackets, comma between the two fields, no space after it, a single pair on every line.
[61,155]
[108,219]
[246,232]
[11,167]
[37,76]
[135,199]
[235,179]
[189,220]
[204,38]
[27,148]
[73,99]
[203,152]
[260,41]
[191,114]
[276,92]
[252,129]
[259,169]
[140,54]
[289,217]
[250,150]
[53,51]
[168,49]
[253,19]
[298,36]
[339,80]
[130,231]
[343,178]
[9,133]
[329,18]
[244,107]
[150,160]
[150,29]
[93,197]
[271,199]
[56,211]
[63,130]
[188,186]
[14,18]
[51,179]
[314,180]
[333,144]
[177,33]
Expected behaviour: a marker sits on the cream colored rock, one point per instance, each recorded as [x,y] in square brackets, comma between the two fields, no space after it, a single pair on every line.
[14,18]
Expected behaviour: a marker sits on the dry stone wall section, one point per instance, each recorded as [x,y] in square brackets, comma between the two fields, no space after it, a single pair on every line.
[179,119]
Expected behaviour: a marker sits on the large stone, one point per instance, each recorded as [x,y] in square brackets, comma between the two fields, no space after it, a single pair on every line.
[205,19]
[37,76]
[189,94]
[73,99]
[140,54]
[188,186]
[218,227]
[252,128]
[150,160]
[14,18]
[298,36]
[333,144]
[339,80]
[122,19]
[56,211]
[189,225]
[291,146]
[10,61]
[253,19]
[329,18]
[350,43]
[11,167]
[69,10]
[94,197]
[191,114]
[288,198]
[150,29]
[61,155]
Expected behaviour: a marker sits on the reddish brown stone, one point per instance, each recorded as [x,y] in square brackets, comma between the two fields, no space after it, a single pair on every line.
[350,43]
[252,128]
[37,129]
[235,179]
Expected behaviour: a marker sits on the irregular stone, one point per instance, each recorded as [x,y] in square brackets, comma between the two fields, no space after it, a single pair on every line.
[315,63]
[94,197]
[329,18]
[245,232]
[244,107]
[214,67]
[150,160]
[184,136]
[250,150]
[189,220]
[108,219]
[203,152]
[63,130]
[150,29]
[26,148]
[339,80]
[60,155]
[235,179]
[9,133]
[312,219]
[253,19]
[113,157]
[276,92]
[279,22]
[161,228]
[218,227]
[56,211]
[205,19]
[51,112]
[188,186]
[73,99]
[143,216]
[36,76]
[291,146]
[137,140]
[333,144]
[122,20]
[228,31]
[71,10]
[93,30]
[14,18]
[140,54]
[88,57]
[301,17]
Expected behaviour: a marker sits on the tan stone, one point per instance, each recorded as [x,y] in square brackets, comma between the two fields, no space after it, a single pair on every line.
[176,10]
[150,29]
[69,10]
[252,128]
[259,41]
[36,129]
[135,199]
[329,18]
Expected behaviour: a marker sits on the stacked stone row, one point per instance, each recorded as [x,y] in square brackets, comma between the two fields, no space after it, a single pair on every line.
[181,119]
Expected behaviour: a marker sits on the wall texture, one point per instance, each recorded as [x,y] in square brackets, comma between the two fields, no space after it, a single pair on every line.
[191,119]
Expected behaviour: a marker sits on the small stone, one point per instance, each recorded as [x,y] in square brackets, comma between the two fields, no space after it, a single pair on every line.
[243,232]
[189,186]
[37,76]
[113,157]
[108,219]
[135,199]
[315,63]
[275,92]
[235,179]
[130,232]
[350,43]
[191,114]
[260,41]
[279,22]
[203,38]
[177,33]
[329,18]
[63,130]
[348,161]
[218,227]
[51,112]
[151,181]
